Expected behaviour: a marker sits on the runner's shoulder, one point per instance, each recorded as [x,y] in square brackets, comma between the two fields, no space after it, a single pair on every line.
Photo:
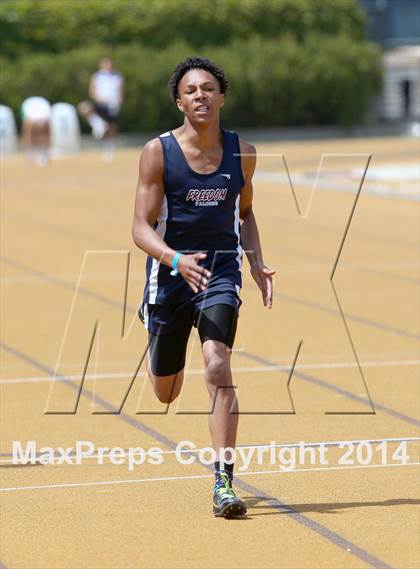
[152,150]
[248,158]
[247,148]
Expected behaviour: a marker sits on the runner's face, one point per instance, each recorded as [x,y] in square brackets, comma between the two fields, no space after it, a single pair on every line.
[199,96]
[105,64]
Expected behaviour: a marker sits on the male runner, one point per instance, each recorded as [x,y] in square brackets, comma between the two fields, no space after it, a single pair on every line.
[193,213]
[106,89]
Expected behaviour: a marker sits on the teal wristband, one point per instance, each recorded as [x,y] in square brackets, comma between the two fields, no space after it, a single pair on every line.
[175,260]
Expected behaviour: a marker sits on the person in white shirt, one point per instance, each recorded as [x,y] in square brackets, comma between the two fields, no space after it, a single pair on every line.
[36,132]
[106,90]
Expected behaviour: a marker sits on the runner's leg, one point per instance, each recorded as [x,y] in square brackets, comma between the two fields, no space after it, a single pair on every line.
[165,362]
[217,328]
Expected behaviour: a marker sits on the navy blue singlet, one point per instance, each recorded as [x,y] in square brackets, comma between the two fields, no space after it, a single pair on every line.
[199,212]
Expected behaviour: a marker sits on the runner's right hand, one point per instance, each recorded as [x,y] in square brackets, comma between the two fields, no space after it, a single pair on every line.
[195,275]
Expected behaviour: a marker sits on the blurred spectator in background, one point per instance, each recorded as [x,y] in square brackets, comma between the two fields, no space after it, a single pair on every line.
[36,115]
[106,90]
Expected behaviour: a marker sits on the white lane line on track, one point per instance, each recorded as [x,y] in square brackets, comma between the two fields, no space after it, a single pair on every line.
[263,445]
[248,369]
[196,477]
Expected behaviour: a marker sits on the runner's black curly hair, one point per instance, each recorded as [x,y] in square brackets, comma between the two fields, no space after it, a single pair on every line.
[196,63]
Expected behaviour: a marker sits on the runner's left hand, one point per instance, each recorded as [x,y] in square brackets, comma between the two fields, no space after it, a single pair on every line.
[263,276]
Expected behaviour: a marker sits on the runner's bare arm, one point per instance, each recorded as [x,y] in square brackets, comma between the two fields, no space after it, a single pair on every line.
[92,89]
[262,275]
[121,92]
[149,197]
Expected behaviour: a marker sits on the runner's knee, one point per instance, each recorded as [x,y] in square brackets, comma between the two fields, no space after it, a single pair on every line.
[166,388]
[218,373]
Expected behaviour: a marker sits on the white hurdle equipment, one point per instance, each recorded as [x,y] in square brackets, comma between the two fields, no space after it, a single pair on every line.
[8,132]
[65,129]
